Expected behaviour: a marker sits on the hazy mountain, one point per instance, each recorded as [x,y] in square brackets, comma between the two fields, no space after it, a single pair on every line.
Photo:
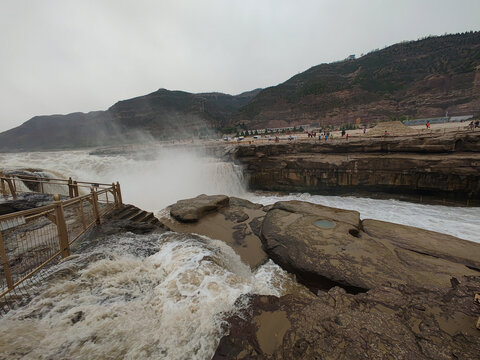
[418,78]
[162,114]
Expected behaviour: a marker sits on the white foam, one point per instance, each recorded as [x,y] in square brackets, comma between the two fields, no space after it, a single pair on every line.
[171,304]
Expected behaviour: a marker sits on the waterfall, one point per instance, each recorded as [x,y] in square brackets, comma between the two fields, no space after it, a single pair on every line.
[151,180]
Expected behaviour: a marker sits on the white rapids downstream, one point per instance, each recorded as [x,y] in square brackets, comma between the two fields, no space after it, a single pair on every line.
[165,296]
[137,297]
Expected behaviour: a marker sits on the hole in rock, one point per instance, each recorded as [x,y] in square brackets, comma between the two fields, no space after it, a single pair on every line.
[459,145]
[354,232]
[316,282]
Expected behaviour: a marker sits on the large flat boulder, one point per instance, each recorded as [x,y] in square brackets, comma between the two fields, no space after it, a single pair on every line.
[236,223]
[191,210]
[327,247]
[425,242]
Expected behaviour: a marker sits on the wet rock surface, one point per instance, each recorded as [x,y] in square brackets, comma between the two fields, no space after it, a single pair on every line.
[230,221]
[402,322]
[425,242]
[191,210]
[24,201]
[380,290]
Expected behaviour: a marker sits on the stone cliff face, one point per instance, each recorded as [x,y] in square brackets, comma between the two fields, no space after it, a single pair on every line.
[443,168]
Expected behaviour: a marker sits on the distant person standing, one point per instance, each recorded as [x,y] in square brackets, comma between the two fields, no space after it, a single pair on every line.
[364,131]
[427,125]
[346,137]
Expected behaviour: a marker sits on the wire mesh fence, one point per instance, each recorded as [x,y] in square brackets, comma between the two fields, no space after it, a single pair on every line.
[32,240]
[106,200]
[28,241]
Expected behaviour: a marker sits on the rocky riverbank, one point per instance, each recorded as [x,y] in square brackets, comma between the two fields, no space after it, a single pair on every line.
[377,290]
[356,288]
[443,168]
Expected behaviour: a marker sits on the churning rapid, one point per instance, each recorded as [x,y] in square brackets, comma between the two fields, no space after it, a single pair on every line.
[165,295]
[137,296]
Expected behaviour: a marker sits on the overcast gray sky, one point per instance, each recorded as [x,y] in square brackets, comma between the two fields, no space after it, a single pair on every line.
[65,56]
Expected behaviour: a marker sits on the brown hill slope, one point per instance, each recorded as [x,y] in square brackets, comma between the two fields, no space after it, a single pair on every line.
[420,79]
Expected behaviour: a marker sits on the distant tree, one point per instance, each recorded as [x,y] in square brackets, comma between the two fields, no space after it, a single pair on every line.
[256,132]
[229,130]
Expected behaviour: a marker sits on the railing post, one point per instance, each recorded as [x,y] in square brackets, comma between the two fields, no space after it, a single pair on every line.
[11,187]
[70,187]
[75,189]
[2,185]
[61,227]
[115,197]
[95,205]
[119,194]
[6,265]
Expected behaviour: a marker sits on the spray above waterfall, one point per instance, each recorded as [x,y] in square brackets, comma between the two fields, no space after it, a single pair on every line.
[151,179]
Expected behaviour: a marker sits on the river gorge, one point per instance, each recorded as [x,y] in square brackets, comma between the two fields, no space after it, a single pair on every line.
[177,291]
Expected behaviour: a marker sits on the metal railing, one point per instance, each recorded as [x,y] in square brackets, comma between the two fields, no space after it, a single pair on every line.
[39,184]
[30,240]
